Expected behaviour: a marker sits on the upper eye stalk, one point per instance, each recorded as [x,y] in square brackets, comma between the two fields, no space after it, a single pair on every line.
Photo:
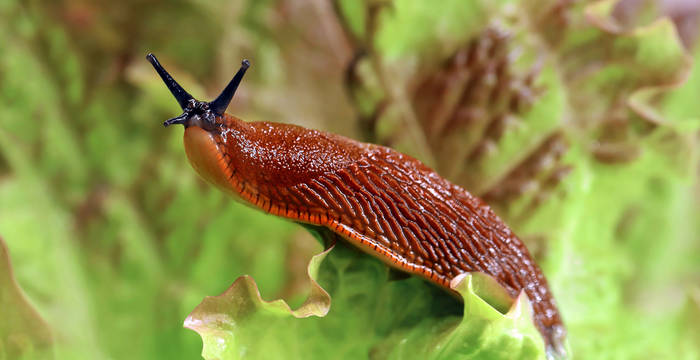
[199,112]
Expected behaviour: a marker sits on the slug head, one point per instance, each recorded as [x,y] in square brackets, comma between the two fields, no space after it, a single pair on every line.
[198,113]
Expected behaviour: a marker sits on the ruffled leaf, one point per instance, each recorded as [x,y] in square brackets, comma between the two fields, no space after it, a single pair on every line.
[484,332]
[370,315]
[218,319]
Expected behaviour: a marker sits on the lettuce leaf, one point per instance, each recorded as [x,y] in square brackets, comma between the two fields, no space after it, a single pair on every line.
[369,315]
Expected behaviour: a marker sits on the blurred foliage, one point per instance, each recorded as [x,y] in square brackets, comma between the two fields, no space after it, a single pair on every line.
[578,121]
[23,333]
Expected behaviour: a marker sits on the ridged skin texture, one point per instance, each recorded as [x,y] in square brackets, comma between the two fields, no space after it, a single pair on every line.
[387,203]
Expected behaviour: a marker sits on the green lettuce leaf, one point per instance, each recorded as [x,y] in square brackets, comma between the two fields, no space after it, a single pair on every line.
[221,320]
[370,314]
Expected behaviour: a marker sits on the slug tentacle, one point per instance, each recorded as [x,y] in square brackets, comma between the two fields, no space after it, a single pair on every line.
[182,119]
[198,113]
[182,96]
[219,105]
[386,203]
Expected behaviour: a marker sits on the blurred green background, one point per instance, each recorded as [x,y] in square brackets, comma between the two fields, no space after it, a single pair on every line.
[577,121]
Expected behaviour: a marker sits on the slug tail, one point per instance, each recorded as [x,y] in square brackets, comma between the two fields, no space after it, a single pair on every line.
[555,342]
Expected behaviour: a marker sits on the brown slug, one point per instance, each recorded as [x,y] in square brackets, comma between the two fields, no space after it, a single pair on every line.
[386,203]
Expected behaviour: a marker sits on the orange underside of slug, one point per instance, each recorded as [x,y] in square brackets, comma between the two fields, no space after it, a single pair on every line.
[207,160]
[386,203]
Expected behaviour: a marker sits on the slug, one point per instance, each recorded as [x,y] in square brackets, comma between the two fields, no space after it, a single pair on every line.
[386,203]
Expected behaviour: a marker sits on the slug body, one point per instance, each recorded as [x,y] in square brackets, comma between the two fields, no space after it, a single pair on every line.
[386,203]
